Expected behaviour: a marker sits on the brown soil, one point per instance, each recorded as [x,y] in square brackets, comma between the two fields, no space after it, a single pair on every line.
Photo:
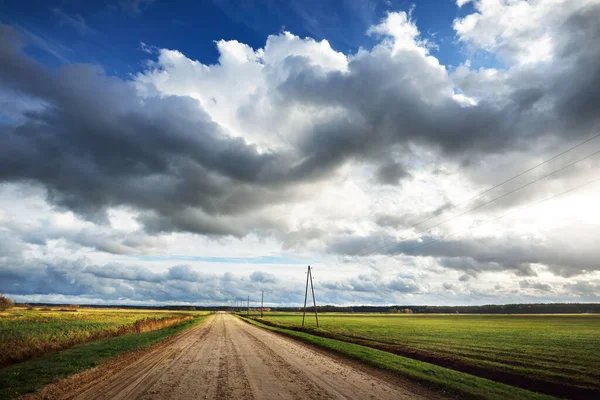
[226,358]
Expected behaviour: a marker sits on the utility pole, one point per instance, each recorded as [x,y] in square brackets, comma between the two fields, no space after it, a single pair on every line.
[312,289]
[262,299]
[248,312]
[305,296]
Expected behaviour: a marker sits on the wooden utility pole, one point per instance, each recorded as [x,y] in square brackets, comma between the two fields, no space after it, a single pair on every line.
[248,312]
[305,296]
[262,299]
[312,289]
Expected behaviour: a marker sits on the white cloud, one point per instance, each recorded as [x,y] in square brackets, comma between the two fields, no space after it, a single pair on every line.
[402,30]
[237,92]
[519,31]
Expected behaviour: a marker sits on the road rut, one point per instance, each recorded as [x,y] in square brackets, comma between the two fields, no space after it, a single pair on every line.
[226,358]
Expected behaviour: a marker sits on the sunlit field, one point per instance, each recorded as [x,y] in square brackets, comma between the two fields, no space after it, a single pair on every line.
[558,349]
[30,332]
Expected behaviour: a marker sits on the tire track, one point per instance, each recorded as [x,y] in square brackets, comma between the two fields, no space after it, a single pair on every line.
[225,358]
[134,378]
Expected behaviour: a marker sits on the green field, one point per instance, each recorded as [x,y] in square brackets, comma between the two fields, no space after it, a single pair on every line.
[558,350]
[27,332]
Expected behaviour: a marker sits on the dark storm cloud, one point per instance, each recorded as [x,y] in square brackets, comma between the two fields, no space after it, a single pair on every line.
[116,282]
[386,112]
[563,256]
[586,289]
[95,143]
[375,285]
[126,283]
[391,173]
[404,221]
[578,97]
[448,286]
[117,271]
[113,242]
[263,277]
[529,284]
[395,221]
[403,99]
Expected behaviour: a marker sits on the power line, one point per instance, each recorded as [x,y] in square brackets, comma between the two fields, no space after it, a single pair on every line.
[372,212]
[488,202]
[494,219]
[483,192]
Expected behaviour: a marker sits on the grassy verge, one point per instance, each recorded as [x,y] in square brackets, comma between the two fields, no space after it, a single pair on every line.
[32,375]
[447,380]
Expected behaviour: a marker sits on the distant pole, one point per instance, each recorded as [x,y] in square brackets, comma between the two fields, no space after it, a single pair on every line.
[262,299]
[305,295]
[248,312]
[312,288]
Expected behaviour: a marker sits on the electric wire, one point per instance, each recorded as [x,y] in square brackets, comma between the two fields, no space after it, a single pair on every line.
[482,192]
[477,225]
[487,202]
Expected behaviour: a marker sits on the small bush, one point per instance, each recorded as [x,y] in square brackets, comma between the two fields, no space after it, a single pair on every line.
[5,302]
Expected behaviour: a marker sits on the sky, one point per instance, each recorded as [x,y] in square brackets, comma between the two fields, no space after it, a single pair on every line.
[434,152]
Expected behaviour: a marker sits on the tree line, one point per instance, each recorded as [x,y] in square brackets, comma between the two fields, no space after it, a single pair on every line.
[539,308]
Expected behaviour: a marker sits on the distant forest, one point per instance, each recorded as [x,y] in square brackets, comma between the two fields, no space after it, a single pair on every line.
[552,308]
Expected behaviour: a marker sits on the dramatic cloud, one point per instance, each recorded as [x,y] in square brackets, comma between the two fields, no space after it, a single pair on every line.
[322,153]
[117,283]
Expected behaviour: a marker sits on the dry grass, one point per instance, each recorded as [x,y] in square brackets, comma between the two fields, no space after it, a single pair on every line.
[32,375]
[26,333]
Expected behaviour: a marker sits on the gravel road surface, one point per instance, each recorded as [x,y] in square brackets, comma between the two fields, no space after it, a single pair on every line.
[226,358]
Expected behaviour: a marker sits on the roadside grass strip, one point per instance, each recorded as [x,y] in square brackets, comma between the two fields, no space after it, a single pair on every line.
[444,379]
[30,376]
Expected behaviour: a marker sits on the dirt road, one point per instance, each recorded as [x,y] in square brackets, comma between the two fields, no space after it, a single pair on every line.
[226,358]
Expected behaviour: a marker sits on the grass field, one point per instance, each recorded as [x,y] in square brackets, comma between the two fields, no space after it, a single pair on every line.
[27,333]
[558,350]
